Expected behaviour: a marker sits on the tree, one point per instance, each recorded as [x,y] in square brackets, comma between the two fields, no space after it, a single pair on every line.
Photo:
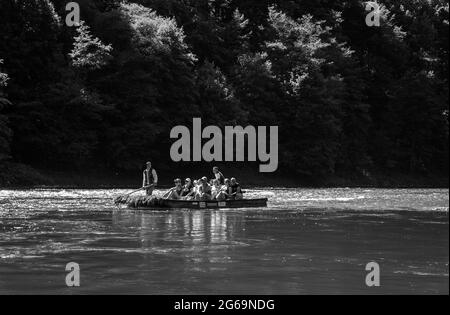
[89,53]
[217,99]
[5,131]
[150,84]
[348,99]
[302,53]
[258,89]
[31,51]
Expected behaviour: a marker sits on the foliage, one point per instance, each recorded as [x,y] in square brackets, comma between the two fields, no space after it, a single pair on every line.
[348,99]
[5,131]
[88,52]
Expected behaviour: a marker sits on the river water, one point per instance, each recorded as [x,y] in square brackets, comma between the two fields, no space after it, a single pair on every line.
[307,241]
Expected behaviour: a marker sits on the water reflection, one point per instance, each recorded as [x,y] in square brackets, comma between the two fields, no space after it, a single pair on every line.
[195,230]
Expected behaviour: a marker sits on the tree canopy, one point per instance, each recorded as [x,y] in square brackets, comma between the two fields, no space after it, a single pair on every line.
[349,99]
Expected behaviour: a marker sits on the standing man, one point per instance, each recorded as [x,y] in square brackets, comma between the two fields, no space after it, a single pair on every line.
[150,179]
[218,175]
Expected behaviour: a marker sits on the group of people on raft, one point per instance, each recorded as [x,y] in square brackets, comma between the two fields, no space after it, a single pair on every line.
[219,188]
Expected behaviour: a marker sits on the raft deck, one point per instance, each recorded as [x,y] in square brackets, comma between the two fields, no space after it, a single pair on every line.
[191,204]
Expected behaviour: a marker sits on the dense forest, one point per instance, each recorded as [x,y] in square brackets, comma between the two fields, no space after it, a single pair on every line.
[350,100]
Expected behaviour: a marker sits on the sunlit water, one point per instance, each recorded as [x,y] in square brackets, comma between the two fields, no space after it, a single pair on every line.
[308,241]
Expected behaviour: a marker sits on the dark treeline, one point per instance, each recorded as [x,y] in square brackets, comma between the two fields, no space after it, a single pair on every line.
[349,100]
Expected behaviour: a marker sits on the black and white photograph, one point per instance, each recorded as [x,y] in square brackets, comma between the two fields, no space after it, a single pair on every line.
[223,154]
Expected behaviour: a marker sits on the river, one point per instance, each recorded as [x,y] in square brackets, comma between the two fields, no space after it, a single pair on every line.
[307,241]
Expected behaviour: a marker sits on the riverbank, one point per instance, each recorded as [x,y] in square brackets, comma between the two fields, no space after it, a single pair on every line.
[14,175]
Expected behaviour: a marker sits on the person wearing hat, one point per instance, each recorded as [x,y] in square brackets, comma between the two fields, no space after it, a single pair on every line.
[204,190]
[175,192]
[150,179]
[188,188]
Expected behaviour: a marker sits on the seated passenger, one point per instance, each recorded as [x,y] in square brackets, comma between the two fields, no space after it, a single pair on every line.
[235,190]
[197,187]
[187,188]
[175,192]
[215,189]
[193,192]
[223,193]
[204,190]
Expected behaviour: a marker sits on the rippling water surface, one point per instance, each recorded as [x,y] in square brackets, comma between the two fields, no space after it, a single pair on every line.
[308,241]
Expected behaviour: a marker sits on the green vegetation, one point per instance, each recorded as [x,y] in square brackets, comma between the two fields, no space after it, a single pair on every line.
[352,102]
